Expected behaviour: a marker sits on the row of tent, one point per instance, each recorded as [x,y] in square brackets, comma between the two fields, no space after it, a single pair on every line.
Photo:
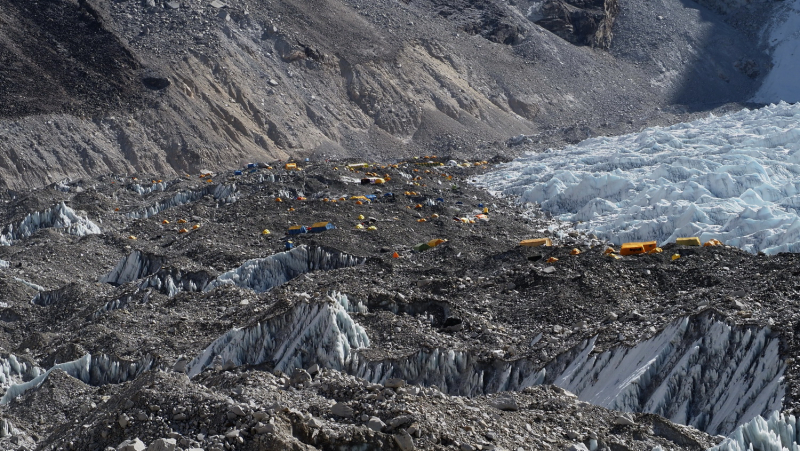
[317,227]
[634,248]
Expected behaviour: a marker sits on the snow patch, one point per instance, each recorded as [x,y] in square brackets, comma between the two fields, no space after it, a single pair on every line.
[735,178]
[58,217]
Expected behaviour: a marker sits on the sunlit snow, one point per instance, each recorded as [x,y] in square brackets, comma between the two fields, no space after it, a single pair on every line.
[735,178]
[782,36]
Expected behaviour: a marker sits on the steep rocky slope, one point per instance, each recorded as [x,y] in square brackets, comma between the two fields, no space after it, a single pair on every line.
[171,86]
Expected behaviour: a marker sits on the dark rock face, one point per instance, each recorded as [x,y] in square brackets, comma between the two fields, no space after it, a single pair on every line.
[58,56]
[581,22]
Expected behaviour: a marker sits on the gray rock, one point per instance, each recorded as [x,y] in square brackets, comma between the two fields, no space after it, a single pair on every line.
[272,82]
[173,5]
[218,4]
[299,377]
[313,370]
[123,420]
[131,445]
[342,410]
[623,420]
[233,433]
[394,383]
[237,410]
[549,270]
[466,447]
[376,424]
[163,444]
[262,428]
[506,403]
[404,441]
[573,435]
[577,447]
[402,420]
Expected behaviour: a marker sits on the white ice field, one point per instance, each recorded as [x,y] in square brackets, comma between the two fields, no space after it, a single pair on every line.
[735,178]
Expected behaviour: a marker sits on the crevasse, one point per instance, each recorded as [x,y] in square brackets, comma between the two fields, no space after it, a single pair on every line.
[58,217]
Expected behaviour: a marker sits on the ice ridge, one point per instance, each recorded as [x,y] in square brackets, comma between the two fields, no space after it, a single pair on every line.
[735,178]
[263,274]
[224,193]
[704,372]
[319,332]
[778,432]
[144,190]
[94,370]
[59,216]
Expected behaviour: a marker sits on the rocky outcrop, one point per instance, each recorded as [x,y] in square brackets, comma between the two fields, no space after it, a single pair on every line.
[579,22]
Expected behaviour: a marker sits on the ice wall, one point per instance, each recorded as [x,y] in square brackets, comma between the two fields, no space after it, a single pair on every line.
[153,188]
[735,178]
[701,372]
[778,432]
[263,274]
[224,193]
[93,370]
[59,217]
[698,371]
[134,266]
[319,332]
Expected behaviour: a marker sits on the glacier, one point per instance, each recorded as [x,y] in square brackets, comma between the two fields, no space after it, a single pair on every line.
[59,216]
[735,178]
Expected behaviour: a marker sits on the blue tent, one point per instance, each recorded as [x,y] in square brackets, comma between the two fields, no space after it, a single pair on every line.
[297,230]
[321,227]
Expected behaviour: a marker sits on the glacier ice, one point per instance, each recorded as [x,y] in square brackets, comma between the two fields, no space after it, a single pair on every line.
[144,190]
[318,332]
[4,264]
[91,369]
[263,274]
[30,284]
[224,193]
[135,266]
[59,217]
[701,372]
[735,178]
[778,432]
